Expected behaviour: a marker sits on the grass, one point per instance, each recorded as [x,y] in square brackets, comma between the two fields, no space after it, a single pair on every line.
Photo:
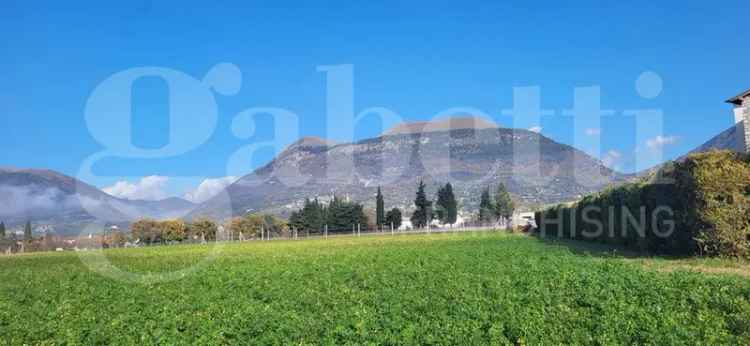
[472,288]
[708,265]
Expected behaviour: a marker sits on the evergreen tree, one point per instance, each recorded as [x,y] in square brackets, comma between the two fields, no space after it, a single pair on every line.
[486,208]
[379,209]
[27,231]
[423,213]
[342,215]
[295,220]
[504,205]
[312,216]
[393,218]
[2,230]
[440,211]
[446,207]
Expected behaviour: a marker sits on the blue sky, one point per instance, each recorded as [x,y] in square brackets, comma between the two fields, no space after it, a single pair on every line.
[416,58]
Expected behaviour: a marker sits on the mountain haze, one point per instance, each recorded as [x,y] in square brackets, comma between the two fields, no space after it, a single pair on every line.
[59,203]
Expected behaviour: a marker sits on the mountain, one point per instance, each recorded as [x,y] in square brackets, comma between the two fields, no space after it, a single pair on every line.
[59,203]
[470,154]
[727,139]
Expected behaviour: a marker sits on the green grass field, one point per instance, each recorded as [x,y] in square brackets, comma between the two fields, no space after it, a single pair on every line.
[471,288]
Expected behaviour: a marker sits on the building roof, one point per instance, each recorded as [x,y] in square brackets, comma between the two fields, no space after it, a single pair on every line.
[738,99]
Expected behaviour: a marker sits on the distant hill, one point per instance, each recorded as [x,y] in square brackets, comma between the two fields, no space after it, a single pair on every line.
[59,203]
[470,153]
[480,153]
[725,140]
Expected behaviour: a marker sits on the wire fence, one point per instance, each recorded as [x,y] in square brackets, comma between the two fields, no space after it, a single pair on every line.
[359,232]
[101,242]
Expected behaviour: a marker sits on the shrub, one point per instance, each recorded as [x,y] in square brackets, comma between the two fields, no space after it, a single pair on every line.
[715,188]
[700,205]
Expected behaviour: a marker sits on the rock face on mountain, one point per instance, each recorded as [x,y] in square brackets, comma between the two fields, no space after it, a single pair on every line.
[438,125]
[536,170]
[59,203]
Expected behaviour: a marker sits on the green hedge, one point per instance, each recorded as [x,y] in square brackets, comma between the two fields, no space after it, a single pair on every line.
[700,205]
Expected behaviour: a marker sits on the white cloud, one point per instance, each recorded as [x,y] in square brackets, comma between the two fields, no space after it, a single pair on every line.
[660,141]
[148,188]
[593,131]
[536,129]
[611,158]
[209,188]
[32,199]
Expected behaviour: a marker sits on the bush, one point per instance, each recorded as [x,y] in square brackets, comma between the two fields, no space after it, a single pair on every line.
[698,206]
[716,189]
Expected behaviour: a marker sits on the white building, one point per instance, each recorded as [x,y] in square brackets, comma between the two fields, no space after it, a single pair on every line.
[741,104]
[460,220]
[523,218]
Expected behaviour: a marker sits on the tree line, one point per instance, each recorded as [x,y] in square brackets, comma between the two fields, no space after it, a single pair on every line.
[315,217]
[341,216]
[337,216]
[250,226]
[445,210]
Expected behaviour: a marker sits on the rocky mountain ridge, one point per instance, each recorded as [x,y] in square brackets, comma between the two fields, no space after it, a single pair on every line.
[536,169]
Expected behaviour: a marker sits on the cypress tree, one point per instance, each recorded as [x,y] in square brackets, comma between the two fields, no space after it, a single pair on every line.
[422,214]
[486,209]
[449,205]
[27,231]
[2,230]
[446,207]
[439,204]
[379,209]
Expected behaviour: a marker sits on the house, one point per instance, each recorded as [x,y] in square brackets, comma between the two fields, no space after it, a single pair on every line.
[741,104]
[523,218]
[405,224]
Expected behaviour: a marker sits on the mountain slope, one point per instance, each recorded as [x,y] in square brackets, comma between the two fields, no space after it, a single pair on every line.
[727,139]
[54,201]
[470,158]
